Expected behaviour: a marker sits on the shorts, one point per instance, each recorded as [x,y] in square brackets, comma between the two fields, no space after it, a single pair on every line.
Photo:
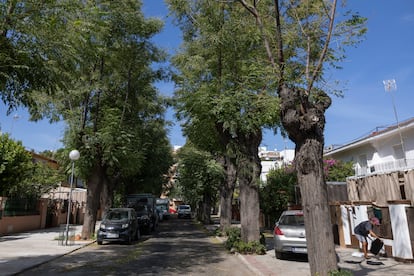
[361,238]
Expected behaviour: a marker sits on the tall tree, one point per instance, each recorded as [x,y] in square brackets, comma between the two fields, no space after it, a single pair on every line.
[94,58]
[300,49]
[221,80]
[119,100]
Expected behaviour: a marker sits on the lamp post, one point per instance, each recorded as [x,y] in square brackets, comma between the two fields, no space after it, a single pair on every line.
[391,85]
[73,156]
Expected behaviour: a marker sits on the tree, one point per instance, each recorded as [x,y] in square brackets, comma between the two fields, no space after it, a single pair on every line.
[278,192]
[114,100]
[299,49]
[95,60]
[20,176]
[15,163]
[220,83]
[199,176]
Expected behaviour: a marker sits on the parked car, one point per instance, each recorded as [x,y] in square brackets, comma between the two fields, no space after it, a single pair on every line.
[146,218]
[162,212]
[119,224]
[184,211]
[289,234]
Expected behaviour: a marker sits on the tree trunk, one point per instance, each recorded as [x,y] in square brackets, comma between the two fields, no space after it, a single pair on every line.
[107,194]
[315,207]
[226,194]
[206,205]
[249,169]
[304,121]
[92,201]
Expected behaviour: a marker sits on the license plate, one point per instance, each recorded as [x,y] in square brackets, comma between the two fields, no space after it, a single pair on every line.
[299,250]
[112,235]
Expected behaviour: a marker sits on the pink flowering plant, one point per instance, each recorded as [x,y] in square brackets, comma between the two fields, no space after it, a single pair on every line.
[336,170]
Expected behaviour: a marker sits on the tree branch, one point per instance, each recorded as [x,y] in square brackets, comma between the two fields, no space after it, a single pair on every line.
[325,48]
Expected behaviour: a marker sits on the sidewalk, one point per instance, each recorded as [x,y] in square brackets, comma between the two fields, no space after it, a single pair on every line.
[19,252]
[349,259]
[269,265]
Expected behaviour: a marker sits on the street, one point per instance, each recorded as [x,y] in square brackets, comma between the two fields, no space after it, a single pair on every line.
[178,247]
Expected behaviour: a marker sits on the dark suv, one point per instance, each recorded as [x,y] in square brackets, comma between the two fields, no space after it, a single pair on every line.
[119,224]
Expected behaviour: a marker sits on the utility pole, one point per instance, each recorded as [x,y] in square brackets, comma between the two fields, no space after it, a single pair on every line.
[391,85]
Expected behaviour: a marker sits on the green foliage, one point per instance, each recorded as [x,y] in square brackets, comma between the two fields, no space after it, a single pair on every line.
[19,175]
[233,236]
[278,191]
[340,273]
[222,86]
[198,174]
[337,170]
[234,243]
[15,165]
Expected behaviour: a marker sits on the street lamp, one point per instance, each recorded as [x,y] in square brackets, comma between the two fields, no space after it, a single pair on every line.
[73,156]
[391,85]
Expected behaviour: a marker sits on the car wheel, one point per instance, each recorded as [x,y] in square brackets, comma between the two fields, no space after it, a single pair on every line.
[129,240]
[279,255]
[99,242]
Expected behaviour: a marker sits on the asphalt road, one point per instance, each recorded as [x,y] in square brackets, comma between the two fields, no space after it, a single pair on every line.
[178,247]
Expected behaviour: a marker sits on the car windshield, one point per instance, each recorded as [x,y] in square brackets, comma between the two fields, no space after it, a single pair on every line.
[292,219]
[184,207]
[117,215]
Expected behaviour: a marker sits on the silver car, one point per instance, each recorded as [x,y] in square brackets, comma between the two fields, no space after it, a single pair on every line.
[289,234]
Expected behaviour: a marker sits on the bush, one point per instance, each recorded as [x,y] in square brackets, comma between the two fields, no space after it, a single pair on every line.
[340,273]
[234,243]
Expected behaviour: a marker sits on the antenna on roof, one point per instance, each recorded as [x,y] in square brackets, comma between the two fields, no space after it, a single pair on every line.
[391,85]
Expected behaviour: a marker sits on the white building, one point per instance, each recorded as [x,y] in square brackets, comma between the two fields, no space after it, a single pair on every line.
[382,185]
[386,150]
[274,160]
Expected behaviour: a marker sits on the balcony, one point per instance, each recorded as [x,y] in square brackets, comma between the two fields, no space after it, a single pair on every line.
[384,167]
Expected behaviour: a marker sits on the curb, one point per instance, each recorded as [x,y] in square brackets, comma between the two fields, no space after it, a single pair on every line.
[249,265]
[54,258]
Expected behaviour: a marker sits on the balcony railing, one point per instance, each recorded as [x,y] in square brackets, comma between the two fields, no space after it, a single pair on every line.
[384,167]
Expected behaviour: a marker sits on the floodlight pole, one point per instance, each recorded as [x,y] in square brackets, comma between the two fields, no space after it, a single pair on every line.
[391,85]
[73,156]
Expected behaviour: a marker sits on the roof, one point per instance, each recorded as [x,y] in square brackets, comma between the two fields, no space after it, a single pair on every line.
[375,135]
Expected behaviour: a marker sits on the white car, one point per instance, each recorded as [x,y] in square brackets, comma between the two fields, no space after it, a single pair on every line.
[184,211]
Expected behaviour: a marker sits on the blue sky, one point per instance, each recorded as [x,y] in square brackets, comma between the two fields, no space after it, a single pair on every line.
[386,53]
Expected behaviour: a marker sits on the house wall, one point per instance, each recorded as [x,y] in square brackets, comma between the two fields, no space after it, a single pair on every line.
[378,150]
[266,167]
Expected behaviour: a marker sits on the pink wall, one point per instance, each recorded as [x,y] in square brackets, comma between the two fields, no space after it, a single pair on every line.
[16,224]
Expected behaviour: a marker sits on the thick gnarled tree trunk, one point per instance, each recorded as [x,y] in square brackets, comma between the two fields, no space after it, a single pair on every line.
[304,120]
